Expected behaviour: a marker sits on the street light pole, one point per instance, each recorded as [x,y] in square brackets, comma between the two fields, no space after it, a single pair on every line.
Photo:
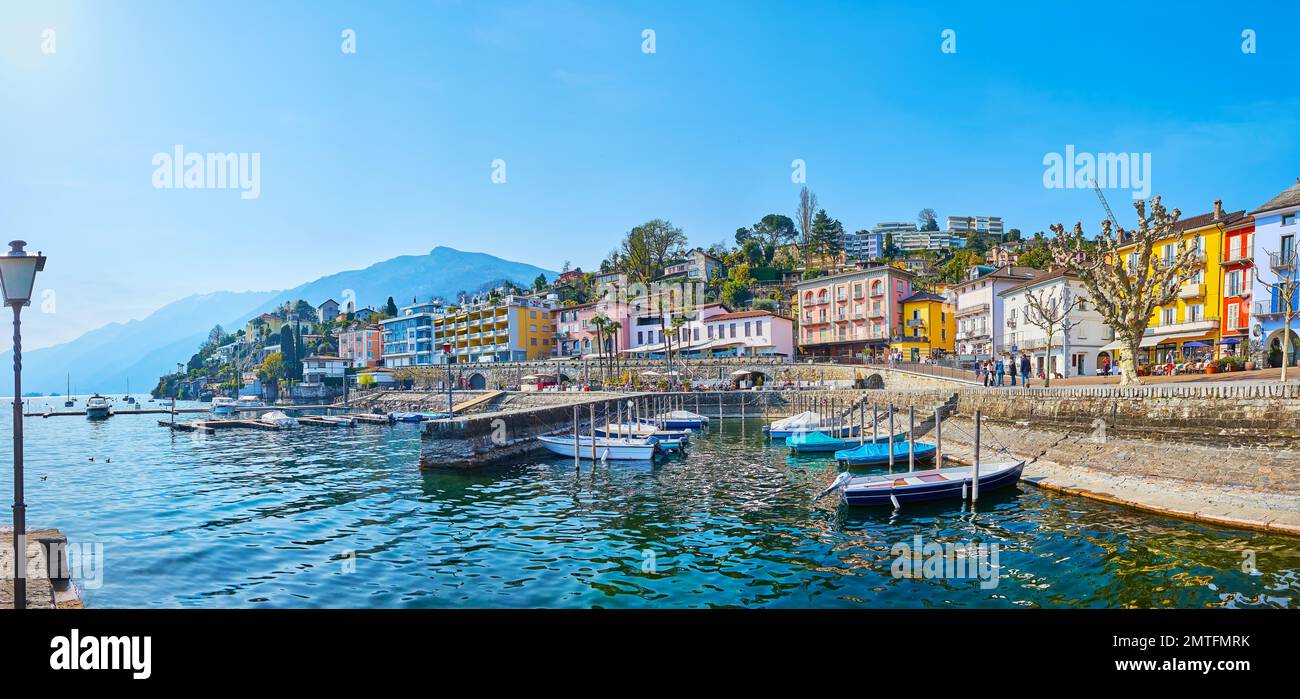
[20,506]
[17,276]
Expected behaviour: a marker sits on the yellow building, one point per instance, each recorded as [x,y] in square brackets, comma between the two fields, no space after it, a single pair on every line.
[514,329]
[1188,328]
[929,327]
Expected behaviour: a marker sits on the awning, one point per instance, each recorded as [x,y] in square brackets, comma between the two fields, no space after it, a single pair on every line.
[1119,344]
[1230,341]
[741,372]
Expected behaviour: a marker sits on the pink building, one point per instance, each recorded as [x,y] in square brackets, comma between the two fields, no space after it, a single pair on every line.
[851,314]
[362,346]
[575,329]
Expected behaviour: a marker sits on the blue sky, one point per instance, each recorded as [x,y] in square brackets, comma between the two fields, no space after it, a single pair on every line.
[389,151]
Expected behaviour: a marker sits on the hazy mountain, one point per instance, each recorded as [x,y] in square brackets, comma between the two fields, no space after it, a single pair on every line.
[103,359]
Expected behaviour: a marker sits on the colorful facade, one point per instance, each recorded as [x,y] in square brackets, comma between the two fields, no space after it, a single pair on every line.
[929,327]
[851,314]
[362,345]
[516,328]
[1188,328]
[1275,256]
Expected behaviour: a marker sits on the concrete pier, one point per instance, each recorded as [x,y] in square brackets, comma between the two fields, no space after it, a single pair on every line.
[48,585]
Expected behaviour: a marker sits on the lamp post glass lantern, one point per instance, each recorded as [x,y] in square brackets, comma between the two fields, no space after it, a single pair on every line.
[17,277]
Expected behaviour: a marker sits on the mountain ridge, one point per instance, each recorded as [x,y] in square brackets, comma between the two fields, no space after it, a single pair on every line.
[104,358]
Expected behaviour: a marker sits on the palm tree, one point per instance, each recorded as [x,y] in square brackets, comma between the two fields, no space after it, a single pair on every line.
[602,323]
[677,323]
[613,327]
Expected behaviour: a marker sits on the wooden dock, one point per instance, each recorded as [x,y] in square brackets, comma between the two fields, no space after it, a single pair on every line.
[211,426]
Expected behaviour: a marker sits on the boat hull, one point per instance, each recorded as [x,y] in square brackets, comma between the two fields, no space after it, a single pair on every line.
[565,446]
[867,492]
[97,413]
[878,454]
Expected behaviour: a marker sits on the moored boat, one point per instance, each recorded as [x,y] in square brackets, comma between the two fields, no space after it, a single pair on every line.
[936,484]
[405,416]
[606,448]
[70,401]
[682,419]
[223,405]
[873,454]
[97,408]
[819,441]
[249,402]
[346,420]
[279,419]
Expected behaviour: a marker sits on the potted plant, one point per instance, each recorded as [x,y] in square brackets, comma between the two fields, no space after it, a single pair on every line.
[1214,366]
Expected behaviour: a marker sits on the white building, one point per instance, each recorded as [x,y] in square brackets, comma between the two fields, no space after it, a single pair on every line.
[979,308]
[746,334]
[317,368]
[1084,336]
[960,225]
[1275,254]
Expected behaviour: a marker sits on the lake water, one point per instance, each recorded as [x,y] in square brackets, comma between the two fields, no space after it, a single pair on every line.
[320,517]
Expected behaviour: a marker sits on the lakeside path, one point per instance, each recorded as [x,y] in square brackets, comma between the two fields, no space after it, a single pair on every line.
[1254,486]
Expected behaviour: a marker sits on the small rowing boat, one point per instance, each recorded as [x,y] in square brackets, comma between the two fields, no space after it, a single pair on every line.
[630,449]
[936,484]
[819,441]
[344,420]
[402,416]
[870,454]
[682,419]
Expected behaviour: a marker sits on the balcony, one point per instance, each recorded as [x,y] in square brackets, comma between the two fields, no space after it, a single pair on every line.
[1012,322]
[1201,325]
[915,323]
[1191,290]
[1236,257]
[975,309]
[1282,261]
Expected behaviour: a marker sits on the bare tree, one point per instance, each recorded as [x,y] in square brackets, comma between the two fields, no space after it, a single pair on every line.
[804,215]
[1283,263]
[1126,280]
[1048,311]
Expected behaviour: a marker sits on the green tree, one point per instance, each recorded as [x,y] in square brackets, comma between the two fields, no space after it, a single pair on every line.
[648,248]
[288,350]
[271,369]
[539,283]
[827,235]
[927,220]
[390,308]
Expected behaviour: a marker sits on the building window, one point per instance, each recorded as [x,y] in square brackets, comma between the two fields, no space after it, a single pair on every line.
[1234,314]
[1288,219]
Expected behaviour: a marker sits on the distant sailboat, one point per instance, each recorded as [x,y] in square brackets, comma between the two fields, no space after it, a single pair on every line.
[70,400]
[128,398]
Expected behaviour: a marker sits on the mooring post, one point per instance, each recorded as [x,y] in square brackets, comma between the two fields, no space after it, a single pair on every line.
[576,462]
[875,424]
[862,422]
[911,438]
[890,437]
[592,430]
[938,437]
[975,480]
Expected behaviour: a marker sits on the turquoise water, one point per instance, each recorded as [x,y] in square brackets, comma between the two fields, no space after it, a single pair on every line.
[259,519]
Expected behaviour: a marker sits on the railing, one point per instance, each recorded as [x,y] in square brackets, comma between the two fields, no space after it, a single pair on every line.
[1191,291]
[934,369]
[1281,261]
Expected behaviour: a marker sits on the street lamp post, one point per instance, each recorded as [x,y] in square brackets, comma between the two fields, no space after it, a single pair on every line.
[17,276]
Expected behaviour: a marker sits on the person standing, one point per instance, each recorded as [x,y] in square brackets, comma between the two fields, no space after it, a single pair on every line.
[1024,370]
[1011,368]
[1002,370]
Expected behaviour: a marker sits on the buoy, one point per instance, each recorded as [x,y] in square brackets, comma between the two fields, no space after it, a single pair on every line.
[963,490]
[893,500]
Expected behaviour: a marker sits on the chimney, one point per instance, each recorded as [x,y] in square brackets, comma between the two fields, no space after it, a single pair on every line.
[1218,209]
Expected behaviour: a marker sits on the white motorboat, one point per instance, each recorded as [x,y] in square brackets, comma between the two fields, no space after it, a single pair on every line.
[627,449]
[97,408]
[249,402]
[222,405]
[345,420]
[279,419]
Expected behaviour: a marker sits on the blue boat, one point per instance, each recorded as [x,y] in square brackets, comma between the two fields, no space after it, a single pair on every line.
[894,489]
[405,417]
[682,419]
[819,441]
[878,454]
[784,432]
